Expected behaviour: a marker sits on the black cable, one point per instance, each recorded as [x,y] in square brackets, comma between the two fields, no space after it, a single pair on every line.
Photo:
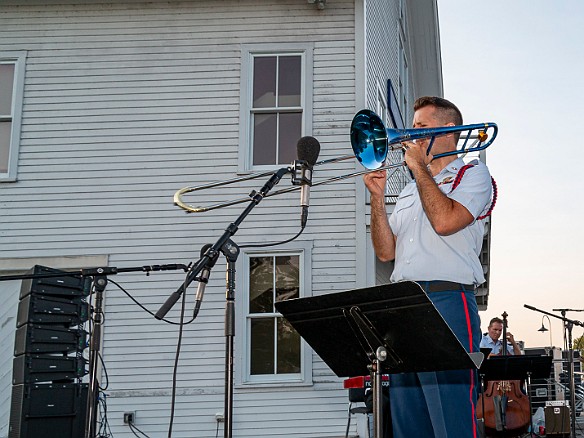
[262,245]
[148,311]
[133,426]
[175,368]
[132,430]
[105,372]
[104,430]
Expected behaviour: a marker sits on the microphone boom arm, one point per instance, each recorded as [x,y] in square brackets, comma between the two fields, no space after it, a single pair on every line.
[256,198]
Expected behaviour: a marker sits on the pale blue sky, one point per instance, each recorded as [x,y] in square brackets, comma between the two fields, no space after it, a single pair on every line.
[520,64]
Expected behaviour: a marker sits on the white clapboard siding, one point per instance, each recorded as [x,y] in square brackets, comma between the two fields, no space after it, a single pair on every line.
[127,101]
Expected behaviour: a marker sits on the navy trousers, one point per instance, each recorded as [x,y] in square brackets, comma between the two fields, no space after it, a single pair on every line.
[441,404]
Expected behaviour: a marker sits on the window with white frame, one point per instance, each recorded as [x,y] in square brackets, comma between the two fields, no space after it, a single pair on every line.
[11,91]
[276,103]
[273,350]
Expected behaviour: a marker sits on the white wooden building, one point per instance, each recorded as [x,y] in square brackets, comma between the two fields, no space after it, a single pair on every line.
[108,107]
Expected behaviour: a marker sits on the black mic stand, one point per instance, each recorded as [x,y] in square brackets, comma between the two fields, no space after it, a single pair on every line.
[231,251]
[568,325]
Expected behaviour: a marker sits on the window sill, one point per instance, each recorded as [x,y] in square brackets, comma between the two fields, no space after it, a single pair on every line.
[274,384]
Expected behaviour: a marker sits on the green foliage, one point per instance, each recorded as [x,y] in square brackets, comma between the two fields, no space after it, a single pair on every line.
[579,345]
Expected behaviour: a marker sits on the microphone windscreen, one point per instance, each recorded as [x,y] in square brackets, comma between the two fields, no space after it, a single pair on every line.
[308,149]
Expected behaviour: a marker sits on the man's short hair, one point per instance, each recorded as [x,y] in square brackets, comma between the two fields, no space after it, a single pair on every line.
[448,112]
[495,319]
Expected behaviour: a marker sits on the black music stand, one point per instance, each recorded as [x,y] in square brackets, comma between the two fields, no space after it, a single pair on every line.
[515,368]
[391,328]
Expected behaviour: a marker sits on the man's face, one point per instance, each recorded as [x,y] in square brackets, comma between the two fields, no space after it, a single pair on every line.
[427,117]
[495,330]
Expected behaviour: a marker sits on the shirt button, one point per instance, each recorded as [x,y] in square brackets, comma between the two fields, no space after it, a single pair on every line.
[415,219]
[411,240]
[407,262]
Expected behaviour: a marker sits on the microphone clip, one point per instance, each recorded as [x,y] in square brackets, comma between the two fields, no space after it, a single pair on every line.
[301,173]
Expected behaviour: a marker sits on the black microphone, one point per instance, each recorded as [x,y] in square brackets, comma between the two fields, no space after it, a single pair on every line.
[204,277]
[307,150]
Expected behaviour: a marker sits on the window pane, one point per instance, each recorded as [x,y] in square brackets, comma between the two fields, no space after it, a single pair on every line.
[264,139]
[289,81]
[288,348]
[4,145]
[262,346]
[264,82]
[261,285]
[6,85]
[290,130]
[287,277]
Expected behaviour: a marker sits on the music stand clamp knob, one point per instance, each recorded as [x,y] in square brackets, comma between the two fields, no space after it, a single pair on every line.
[381,354]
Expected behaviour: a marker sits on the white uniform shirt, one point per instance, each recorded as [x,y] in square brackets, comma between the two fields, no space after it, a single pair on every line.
[487,342]
[422,254]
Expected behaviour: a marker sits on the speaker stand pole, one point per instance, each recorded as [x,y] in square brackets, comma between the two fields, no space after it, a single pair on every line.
[99,284]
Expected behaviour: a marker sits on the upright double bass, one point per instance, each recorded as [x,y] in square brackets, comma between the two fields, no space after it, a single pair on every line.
[503,406]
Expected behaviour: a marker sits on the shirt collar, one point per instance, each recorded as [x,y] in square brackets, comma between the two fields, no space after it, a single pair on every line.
[453,166]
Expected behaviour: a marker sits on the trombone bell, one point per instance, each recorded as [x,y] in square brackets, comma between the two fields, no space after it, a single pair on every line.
[371,140]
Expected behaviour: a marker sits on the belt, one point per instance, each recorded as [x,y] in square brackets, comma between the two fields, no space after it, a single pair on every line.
[444,286]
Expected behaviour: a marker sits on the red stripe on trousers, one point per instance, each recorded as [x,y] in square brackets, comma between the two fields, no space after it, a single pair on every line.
[469,328]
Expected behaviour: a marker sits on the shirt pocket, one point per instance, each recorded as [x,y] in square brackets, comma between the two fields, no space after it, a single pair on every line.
[404,203]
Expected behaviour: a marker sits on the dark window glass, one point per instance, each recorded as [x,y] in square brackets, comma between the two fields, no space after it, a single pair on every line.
[264,138]
[261,285]
[277,84]
[290,132]
[6,85]
[272,338]
[289,81]
[288,348]
[262,346]
[287,277]
[264,82]
[4,145]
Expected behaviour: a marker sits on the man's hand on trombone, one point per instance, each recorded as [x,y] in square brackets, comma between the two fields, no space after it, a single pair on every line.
[375,182]
[415,155]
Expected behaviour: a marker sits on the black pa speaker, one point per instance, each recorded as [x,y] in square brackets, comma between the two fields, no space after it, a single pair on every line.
[40,339]
[48,411]
[66,285]
[39,309]
[34,368]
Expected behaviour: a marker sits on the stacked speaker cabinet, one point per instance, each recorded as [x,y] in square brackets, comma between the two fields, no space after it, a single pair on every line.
[542,390]
[557,419]
[48,396]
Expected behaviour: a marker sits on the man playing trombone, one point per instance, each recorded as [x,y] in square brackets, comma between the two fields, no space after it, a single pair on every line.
[435,238]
